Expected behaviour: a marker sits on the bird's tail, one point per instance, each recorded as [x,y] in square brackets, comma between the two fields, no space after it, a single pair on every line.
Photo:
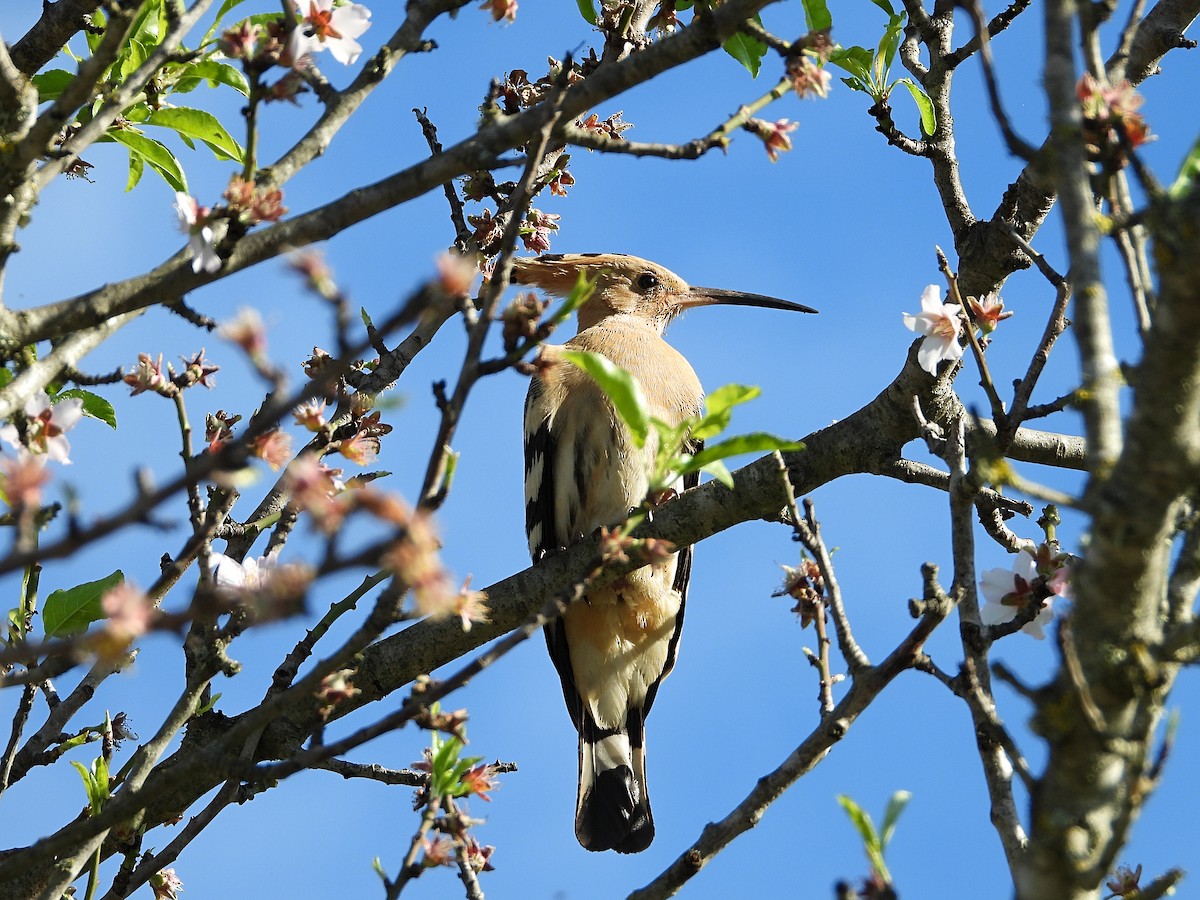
[613,806]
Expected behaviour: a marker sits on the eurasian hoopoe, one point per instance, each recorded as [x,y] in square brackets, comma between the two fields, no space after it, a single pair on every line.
[582,471]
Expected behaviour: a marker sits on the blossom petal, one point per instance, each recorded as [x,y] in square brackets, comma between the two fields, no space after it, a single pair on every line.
[931,299]
[67,413]
[226,571]
[346,51]
[996,613]
[59,449]
[995,583]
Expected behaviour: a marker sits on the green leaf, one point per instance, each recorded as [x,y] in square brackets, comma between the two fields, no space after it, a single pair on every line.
[93,405]
[95,782]
[620,387]
[588,10]
[719,409]
[1189,173]
[51,84]
[95,35]
[860,818]
[891,814]
[885,6]
[719,471]
[754,442]
[579,295]
[888,45]
[74,609]
[214,73]
[866,831]
[201,125]
[924,105]
[816,14]
[133,54]
[155,155]
[855,60]
[145,23]
[747,50]
[137,165]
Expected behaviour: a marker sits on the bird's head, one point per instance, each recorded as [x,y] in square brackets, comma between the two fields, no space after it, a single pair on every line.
[632,286]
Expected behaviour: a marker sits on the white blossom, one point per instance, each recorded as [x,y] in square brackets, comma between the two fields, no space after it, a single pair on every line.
[941,323]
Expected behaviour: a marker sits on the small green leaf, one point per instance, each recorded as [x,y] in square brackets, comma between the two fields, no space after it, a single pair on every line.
[133,54]
[860,818]
[747,50]
[95,35]
[867,833]
[137,165]
[924,105]
[145,23]
[50,84]
[588,10]
[885,6]
[201,125]
[889,43]
[579,295]
[201,709]
[816,14]
[215,73]
[730,395]
[620,387]
[155,155]
[855,60]
[95,783]
[719,471]
[891,814]
[754,442]
[74,609]
[719,409]
[93,405]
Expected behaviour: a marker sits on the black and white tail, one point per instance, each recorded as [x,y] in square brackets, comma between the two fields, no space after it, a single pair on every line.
[613,807]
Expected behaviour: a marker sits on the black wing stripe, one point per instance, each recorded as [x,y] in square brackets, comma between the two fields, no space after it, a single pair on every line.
[683,575]
[544,538]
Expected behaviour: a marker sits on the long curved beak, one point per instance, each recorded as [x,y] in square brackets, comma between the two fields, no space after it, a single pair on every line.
[703,296]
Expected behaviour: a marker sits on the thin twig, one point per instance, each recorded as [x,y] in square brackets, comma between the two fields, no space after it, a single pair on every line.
[864,689]
[989,387]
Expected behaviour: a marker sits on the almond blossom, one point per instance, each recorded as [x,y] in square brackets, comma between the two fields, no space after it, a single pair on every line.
[501,10]
[941,323]
[166,885]
[333,29]
[247,330]
[1009,590]
[129,611]
[45,427]
[774,135]
[988,311]
[22,480]
[193,219]
[227,572]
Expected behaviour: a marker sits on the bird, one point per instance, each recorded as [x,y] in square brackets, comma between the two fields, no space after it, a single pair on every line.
[583,471]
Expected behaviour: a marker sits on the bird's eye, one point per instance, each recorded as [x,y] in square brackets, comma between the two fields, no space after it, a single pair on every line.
[647,280]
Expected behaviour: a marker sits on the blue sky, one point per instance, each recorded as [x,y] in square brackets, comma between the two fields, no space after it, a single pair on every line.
[843,223]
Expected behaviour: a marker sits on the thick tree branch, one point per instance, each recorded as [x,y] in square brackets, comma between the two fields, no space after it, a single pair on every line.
[59,22]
